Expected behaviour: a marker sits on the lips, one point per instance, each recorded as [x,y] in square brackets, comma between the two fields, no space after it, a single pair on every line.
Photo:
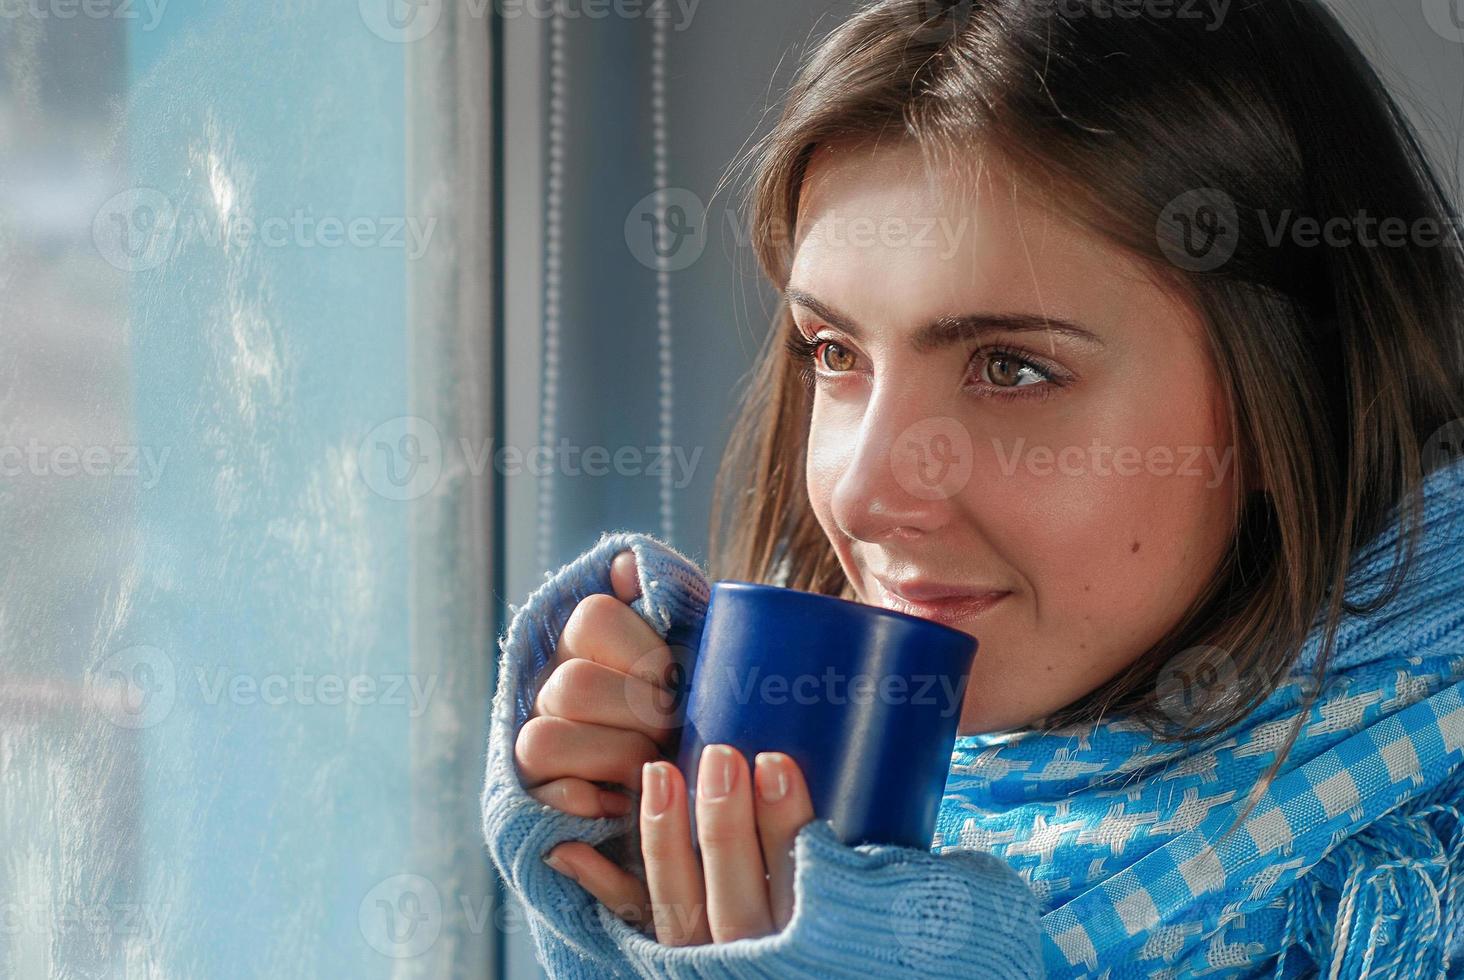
[947,604]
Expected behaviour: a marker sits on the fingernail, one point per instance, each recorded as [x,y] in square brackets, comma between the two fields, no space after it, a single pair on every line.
[558,864]
[714,779]
[772,777]
[615,804]
[656,787]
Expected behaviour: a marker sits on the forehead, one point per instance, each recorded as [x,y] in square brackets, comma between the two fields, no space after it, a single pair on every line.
[878,229]
[887,174]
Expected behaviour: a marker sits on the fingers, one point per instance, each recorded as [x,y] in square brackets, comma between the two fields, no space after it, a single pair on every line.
[783,807]
[737,895]
[602,706]
[673,871]
[725,894]
[581,798]
[624,577]
[548,748]
[621,891]
[604,629]
[582,690]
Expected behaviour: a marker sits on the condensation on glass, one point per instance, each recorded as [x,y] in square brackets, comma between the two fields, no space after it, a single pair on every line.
[245,618]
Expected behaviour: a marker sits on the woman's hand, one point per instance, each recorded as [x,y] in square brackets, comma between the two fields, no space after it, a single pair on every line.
[605,708]
[742,886]
[606,714]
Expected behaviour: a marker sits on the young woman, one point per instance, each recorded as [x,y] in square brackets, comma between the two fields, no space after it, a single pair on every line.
[1128,341]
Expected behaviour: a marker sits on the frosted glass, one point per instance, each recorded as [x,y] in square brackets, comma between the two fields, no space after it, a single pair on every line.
[242,675]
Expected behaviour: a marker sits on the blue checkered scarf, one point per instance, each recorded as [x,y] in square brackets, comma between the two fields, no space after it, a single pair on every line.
[1352,861]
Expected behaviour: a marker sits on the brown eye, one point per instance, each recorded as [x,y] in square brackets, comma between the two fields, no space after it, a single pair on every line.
[998,374]
[1005,370]
[836,358]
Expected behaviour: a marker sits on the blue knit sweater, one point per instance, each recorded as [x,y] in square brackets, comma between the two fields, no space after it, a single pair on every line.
[1084,853]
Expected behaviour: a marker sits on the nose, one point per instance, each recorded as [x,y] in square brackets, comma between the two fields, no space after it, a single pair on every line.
[906,468]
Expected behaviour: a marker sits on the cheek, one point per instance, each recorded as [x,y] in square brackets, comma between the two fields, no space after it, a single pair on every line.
[1117,518]
[831,441]
[1115,538]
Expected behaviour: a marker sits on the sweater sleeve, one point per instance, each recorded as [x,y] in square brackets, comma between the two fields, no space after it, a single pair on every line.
[881,909]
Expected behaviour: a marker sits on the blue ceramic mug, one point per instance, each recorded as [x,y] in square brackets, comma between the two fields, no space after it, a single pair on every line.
[866,700]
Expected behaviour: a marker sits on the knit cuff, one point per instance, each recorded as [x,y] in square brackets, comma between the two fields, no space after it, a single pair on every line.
[871,910]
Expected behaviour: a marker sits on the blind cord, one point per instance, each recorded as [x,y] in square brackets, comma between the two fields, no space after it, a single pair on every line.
[663,272]
[553,225]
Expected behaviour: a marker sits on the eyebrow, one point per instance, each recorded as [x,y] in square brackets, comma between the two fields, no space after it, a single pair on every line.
[951,329]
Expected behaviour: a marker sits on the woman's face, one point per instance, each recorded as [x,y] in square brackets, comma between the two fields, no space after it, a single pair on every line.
[1004,404]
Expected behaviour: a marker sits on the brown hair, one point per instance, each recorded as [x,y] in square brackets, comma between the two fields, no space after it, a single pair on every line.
[1339,363]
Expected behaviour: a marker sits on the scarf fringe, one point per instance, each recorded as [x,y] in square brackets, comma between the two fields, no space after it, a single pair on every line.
[1388,901]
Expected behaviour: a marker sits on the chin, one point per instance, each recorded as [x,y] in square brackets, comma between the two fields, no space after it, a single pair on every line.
[981,719]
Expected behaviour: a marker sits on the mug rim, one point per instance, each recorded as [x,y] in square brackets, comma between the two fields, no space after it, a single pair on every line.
[741,585]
